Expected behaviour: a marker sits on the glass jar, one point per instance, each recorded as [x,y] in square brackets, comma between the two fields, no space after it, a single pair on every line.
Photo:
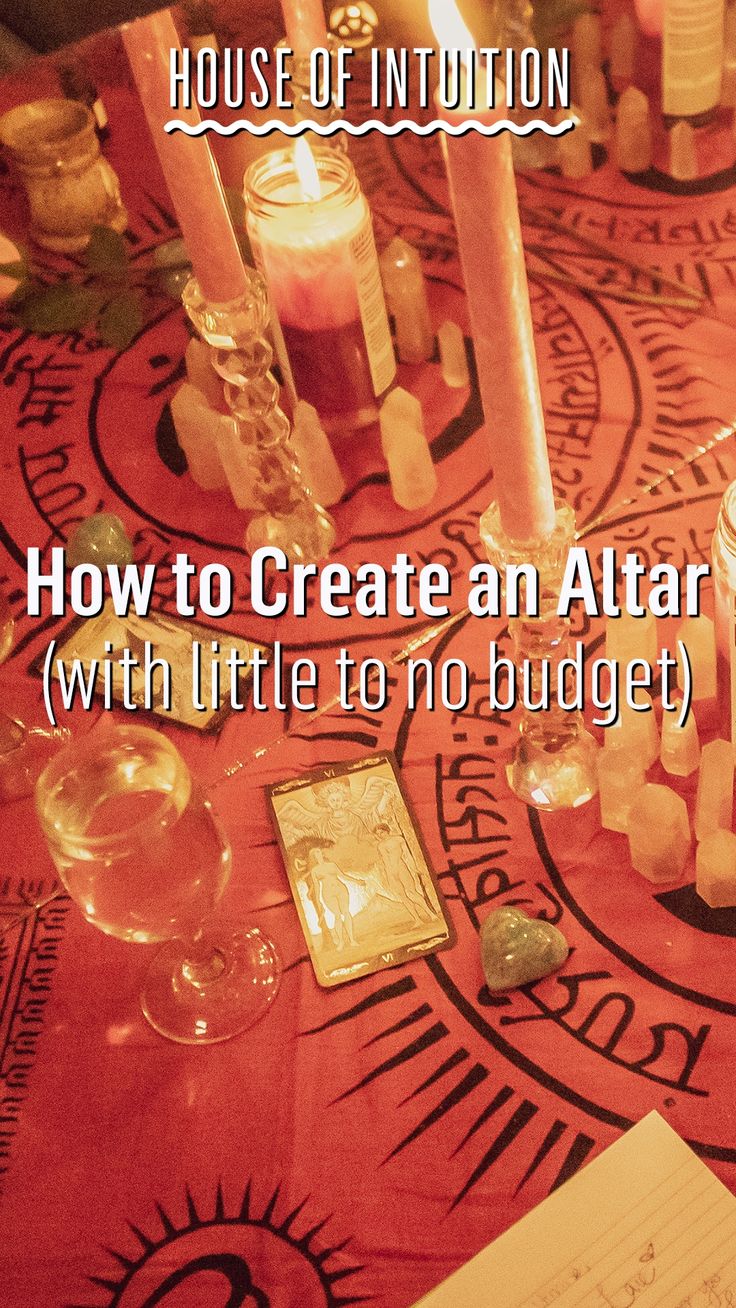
[70,186]
[692,60]
[724,586]
[312,240]
[681,57]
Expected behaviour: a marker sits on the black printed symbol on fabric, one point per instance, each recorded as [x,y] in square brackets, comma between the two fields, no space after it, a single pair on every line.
[254,1258]
[235,1271]
[685,904]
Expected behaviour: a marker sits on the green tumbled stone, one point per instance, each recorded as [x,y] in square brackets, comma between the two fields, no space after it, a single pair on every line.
[516,949]
[99,539]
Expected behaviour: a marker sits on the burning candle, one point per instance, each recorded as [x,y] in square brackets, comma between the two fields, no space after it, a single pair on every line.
[312,237]
[486,210]
[188,166]
[305,26]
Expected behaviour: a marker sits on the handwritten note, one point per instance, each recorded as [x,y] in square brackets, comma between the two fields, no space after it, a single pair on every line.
[646,1225]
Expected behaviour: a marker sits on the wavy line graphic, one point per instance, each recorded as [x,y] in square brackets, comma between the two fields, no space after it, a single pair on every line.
[372,125]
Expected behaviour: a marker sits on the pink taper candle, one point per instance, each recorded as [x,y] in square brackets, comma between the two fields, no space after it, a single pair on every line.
[650,14]
[188,166]
[486,209]
[304,21]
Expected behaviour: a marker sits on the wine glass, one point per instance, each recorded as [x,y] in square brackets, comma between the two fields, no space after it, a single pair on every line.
[24,750]
[137,845]
[7,626]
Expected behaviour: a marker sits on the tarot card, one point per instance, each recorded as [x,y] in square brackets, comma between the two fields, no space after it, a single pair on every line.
[360,876]
[185,647]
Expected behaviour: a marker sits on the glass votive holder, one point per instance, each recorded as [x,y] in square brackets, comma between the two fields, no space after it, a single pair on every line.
[70,185]
[312,238]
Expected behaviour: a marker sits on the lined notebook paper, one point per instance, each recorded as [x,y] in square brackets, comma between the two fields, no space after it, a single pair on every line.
[646,1223]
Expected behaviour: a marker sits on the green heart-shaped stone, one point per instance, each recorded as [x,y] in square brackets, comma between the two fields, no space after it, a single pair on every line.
[99,539]
[516,949]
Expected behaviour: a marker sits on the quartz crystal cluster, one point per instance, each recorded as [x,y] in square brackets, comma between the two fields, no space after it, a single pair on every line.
[654,815]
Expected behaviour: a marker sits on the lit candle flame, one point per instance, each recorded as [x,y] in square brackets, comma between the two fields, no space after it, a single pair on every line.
[306,170]
[448,26]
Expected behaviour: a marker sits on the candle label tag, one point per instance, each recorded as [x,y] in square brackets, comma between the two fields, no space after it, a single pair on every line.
[373,315]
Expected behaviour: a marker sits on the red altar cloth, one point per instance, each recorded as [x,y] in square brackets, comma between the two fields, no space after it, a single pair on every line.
[359,1144]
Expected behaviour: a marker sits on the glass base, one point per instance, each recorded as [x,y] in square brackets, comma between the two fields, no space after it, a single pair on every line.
[195,1003]
[555,779]
[305,537]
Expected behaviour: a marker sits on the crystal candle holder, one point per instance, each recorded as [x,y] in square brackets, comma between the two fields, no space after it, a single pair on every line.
[287,514]
[554,760]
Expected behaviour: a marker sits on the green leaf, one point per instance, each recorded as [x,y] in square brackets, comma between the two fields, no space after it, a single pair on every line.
[60,308]
[106,252]
[16,269]
[172,254]
[120,320]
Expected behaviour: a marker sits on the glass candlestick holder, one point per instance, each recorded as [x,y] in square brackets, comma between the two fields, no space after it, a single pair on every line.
[554,760]
[287,514]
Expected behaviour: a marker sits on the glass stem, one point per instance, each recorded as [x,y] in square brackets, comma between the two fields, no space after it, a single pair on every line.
[202,965]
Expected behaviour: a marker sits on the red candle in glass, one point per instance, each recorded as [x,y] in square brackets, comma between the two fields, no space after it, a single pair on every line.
[312,237]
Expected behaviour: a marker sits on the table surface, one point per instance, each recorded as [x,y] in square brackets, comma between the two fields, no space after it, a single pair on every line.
[359,1143]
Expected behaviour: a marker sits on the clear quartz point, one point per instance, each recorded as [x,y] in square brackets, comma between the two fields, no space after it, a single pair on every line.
[659,833]
[680,745]
[633,141]
[453,355]
[715,869]
[714,801]
[620,778]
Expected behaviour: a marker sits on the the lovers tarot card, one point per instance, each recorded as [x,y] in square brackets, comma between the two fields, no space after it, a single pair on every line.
[365,893]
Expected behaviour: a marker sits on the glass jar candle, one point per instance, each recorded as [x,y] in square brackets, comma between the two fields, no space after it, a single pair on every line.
[692,59]
[312,239]
[70,185]
[724,585]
